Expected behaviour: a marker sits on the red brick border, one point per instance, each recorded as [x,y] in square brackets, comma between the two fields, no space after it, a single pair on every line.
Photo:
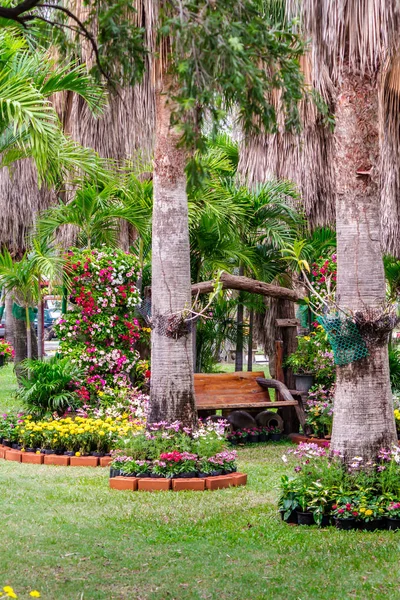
[147,484]
[53,459]
[127,483]
[298,438]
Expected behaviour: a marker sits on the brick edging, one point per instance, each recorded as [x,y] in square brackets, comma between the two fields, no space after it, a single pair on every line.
[149,484]
[53,459]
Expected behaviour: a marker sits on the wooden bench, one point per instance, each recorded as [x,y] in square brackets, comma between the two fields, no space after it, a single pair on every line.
[242,390]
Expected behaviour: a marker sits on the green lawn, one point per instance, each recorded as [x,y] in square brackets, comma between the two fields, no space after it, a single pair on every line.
[65,533]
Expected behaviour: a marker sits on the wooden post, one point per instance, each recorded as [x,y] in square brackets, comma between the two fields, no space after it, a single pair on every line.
[286,324]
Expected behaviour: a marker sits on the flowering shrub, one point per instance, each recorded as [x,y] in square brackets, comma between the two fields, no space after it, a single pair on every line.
[6,351]
[100,334]
[9,426]
[324,274]
[325,486]
[170,450]
[319,410]
[393,510]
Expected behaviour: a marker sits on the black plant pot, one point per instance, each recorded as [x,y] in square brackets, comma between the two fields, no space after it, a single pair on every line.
[7,443]
[187,475]
[303,382]
[215,473]
[253,438]
[227,471]
[31,450]
[234,441]
[145,475]
[69,453]
[156,476]
[47,451]
[114,472]
[263,437]
[2,360]
[392,523]
[98,454]
[275,437]
[305,518]
[326,521]
[374,525]
[345,524]
[292,518]
[16,446]
[203,475]
[58,451]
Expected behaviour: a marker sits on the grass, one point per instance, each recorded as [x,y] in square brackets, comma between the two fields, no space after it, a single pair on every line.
[65,533]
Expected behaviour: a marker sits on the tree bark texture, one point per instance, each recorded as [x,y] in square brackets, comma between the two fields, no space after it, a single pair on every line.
[236,282]
[250,341]
[172,389]
[363,410]
[239,336]
[239,329]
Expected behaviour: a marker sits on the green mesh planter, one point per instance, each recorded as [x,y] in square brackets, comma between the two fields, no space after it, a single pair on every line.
[347,343]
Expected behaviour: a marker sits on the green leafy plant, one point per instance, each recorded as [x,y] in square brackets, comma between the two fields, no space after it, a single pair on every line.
[49,386]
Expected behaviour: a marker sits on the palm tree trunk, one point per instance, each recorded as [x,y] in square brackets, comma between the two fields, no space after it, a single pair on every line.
[363,410]
[239,326]
[40,325]
[28,334]
[250,341]
[10,321]
[172,390]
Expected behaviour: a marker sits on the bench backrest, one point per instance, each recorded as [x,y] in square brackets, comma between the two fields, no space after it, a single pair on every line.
[222,389]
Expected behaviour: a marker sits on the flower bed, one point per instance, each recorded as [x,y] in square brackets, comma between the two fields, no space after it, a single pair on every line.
[325,491]
[148,484]
[70,436]
[254,435]
[6,352]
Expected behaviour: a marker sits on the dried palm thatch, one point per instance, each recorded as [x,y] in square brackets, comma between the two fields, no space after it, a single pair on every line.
[125,130]
[20,202]
[362,36]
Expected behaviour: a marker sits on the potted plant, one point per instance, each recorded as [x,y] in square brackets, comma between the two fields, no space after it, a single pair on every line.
[263,434]
[233,438]
[205,468]
[345,515]
[392,515]
[371,514]
[253,436]
[242,435]
[304,515]
[288,501]
[312,361]
[275,433]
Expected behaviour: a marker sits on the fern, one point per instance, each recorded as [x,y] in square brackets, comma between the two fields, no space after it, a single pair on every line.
[48,386]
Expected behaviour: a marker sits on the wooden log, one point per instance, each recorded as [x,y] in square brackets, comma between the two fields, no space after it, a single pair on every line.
[235,282]
[287,322]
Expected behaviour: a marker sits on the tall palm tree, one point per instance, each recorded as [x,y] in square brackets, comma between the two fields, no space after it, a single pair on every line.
[353,172]
[20,280]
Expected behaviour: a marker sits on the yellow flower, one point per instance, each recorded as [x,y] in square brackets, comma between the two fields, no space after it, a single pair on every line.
[10,592]
[368,513]
[34,594]
[307,338]
[362,510]
[77,453]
